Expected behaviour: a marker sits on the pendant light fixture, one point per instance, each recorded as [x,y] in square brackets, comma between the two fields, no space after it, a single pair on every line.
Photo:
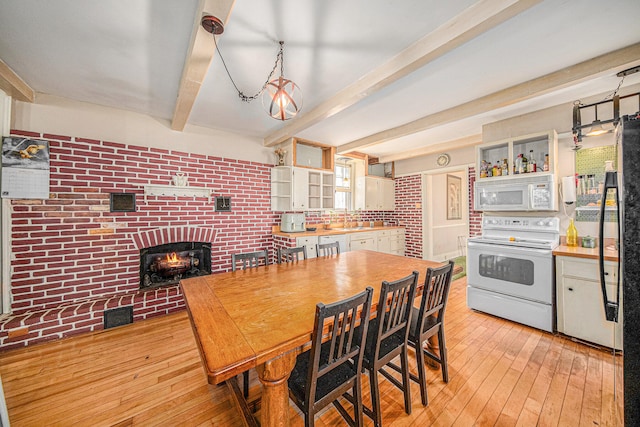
[596,127]
[281,97]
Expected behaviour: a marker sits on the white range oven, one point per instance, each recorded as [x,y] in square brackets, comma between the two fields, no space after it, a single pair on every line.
[510,270]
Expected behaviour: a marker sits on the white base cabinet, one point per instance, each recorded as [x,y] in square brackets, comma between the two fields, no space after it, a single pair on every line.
[310,242]
[388,241]
[368,241]
[580,311]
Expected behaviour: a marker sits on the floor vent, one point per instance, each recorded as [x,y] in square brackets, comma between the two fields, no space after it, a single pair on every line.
[118,317]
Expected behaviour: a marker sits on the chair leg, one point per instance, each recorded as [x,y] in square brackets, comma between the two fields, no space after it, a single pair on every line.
[422,375]
[357,402]
[309,419]
[404,363]
[443,355]
[375,398]
[245,384]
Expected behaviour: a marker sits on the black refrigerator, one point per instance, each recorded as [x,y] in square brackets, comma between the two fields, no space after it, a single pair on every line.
[622,304]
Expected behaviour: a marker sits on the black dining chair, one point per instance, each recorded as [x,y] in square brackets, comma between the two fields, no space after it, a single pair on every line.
[250,259]
[427,321]
[292,254]
[387,339]
[333,365]
[327,249]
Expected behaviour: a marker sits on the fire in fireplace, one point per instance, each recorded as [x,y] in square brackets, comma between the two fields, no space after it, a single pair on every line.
[167,264]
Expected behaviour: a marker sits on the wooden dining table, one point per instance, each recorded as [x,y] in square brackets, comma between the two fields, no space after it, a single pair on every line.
[263,317]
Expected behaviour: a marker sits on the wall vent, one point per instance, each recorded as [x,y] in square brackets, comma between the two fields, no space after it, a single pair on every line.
[118,317]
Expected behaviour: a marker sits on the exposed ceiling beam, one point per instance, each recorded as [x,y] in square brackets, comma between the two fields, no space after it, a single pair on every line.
[575,74]
[467,141]
[473,21]
[13,85]
[199,56]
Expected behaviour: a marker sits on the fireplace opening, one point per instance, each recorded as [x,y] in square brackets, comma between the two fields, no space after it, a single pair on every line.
[168,264]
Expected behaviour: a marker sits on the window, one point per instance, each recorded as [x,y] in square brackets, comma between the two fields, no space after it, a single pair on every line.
[344,183]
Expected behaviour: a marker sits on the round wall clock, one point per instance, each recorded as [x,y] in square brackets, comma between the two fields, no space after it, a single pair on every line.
[443,160]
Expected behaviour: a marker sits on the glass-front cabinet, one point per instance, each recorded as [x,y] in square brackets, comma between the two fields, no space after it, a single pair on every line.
[517,156]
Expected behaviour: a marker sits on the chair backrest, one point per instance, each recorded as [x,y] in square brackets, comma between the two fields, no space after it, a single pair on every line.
[347,322]
[435,293]
[249,259]
[327,249]
[292,254]
[394,309]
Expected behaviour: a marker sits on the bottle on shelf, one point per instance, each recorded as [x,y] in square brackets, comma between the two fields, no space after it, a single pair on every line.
[545,165]
[505,167]
[525,164]
[532,162]
[518,165]
[580,187]
[572,234]
[496,170]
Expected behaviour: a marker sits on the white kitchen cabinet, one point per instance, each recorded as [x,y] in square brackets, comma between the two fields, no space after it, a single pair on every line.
[310,242]
[384,241]
[545,143]
[375,193]
[580,311]
[397,242]
[367,240]
[321,190]
[289,188]
[301,189]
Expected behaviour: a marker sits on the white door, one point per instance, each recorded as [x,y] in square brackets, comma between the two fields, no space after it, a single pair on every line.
[445,213]
[300,190]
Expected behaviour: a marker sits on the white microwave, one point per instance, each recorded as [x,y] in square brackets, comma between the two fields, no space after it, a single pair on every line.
[523,193]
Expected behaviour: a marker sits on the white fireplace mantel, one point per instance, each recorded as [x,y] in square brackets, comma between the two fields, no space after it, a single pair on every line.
[177,191]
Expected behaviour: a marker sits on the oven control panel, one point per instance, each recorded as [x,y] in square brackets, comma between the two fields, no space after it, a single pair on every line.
[522,223]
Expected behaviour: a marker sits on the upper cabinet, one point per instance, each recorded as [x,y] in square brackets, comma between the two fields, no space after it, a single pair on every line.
[289,189]
[528,154]
[308,154]
[321,190]
[301,189]
[375,193]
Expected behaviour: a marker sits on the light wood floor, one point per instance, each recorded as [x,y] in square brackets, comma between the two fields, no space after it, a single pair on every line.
[149,373]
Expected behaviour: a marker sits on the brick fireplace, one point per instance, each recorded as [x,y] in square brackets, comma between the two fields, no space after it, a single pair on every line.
[73,258]
[174,254]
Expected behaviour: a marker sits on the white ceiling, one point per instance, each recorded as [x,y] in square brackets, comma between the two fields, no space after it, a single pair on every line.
[130,54]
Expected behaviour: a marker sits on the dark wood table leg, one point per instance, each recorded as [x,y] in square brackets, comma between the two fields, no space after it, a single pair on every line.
[432,346]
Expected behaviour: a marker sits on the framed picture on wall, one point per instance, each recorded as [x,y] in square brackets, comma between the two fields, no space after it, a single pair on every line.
[454,197]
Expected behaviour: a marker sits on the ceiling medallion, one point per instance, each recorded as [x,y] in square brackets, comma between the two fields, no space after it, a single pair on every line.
[443,160]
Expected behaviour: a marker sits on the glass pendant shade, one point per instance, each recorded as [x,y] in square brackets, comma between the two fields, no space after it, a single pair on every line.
[596,129]
[282,99]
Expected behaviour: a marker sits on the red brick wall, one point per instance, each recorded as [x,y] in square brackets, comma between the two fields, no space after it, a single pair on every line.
[475,217]
[73,258]
[409,212]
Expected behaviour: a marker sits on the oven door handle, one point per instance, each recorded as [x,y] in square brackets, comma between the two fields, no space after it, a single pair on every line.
[499,248]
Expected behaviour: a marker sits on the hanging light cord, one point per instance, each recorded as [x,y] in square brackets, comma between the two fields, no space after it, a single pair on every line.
[610,96]
[243,97]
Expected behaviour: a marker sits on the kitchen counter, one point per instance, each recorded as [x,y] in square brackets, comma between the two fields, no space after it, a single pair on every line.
[610,254]
[332,231]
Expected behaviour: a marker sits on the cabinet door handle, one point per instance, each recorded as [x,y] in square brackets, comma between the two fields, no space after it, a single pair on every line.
[606,273]
[571,289]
